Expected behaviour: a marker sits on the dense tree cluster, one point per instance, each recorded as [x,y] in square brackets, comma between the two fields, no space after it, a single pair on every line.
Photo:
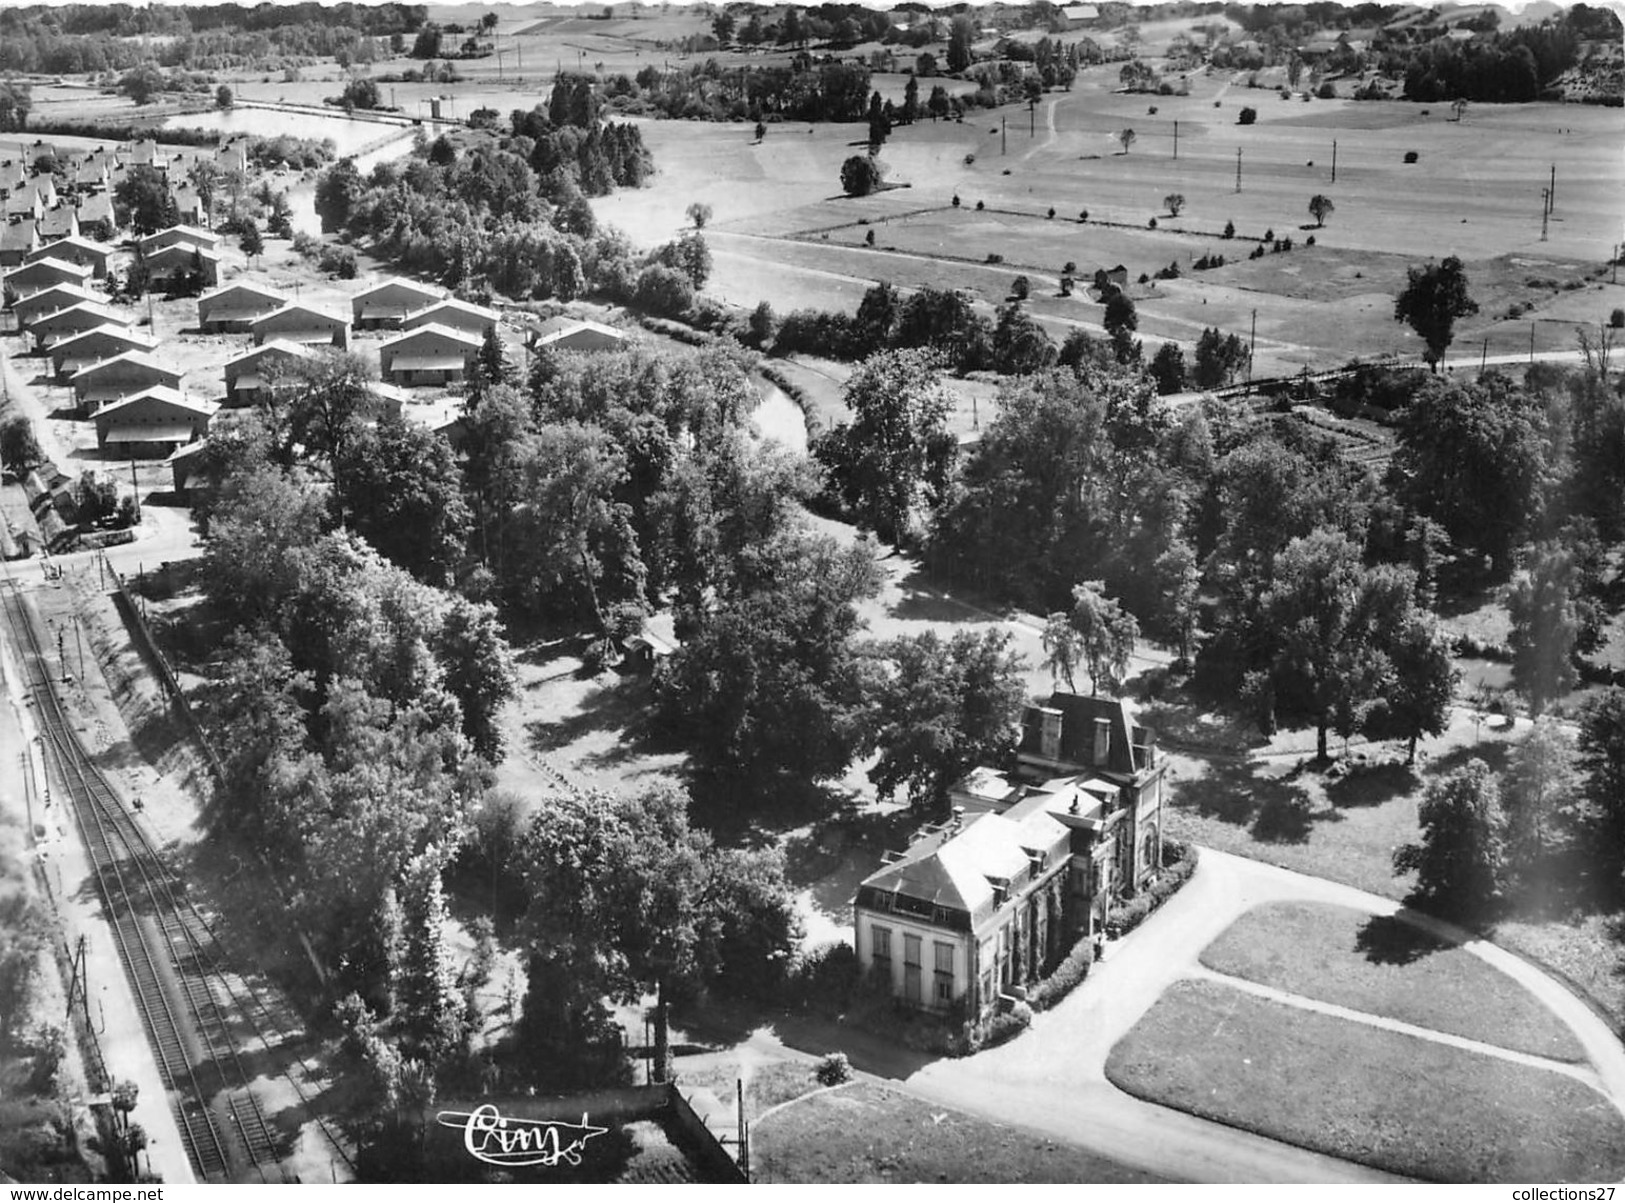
[1547,830]
[88,38]
[1514,65]
[511,217]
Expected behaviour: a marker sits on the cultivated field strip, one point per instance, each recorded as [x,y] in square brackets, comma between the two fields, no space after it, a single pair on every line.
[166,949]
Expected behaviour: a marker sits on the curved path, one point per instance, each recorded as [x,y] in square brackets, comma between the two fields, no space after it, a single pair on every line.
[1052,1079]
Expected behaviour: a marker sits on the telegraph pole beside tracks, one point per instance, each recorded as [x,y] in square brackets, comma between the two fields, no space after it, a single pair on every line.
[1238,169]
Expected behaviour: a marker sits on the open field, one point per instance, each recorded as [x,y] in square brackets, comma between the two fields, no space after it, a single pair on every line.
[1475,192]
[1387,967]
[1416,1107]
[863,1132]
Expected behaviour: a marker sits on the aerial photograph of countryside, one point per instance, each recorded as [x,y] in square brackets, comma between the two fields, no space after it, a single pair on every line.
[556,557]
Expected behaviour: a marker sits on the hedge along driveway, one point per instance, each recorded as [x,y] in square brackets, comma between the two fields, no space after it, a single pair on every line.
[1398,1102]
[1385,966]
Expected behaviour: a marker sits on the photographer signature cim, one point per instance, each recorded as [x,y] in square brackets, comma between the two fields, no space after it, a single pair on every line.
[499,1140]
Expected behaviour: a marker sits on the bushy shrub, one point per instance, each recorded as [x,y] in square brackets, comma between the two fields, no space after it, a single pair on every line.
[834,1070]
[1411,156]
[1066,977]
[1001,1027]
[1179,862]
[1616,319]
[994,257]
[338,261]
[1248,115]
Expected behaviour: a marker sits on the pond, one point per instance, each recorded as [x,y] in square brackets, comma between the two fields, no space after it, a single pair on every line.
[780,419]
[348,135]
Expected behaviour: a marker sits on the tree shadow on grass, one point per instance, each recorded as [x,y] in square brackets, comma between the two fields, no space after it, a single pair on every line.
[919,606]
[1393,940]
[1371,785]
[834,856]
[1276,811]
[755,812]
[622,705]
[1493,754]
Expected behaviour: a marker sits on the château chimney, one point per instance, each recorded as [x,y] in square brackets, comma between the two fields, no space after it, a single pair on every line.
[1049,733]
[1103,741]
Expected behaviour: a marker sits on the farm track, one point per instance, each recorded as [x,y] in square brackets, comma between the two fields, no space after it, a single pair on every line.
[169,954]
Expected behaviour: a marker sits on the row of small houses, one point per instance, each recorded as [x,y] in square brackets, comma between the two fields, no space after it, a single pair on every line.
[36,214]
[136,400]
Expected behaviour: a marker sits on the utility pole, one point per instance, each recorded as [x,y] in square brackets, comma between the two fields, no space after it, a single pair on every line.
[1334,160]
[136,489]
[1176,140]
[1551,192]
[61,655]
[1531,342]
[1002,142]
[1484,357]
[1252,345]
[1238,169]
[79,639]
[1032,118]
[1545,210]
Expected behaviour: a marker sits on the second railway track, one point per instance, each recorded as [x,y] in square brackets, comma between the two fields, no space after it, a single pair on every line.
[168,952]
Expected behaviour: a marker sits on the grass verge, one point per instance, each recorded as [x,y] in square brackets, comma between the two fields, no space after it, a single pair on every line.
[866,1133]
[1385,966]
[1412,1106]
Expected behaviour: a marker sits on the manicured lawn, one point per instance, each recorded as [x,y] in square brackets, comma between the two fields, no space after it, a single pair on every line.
[1400,1103]
[1385,966]
[766,1086]
[867,1133]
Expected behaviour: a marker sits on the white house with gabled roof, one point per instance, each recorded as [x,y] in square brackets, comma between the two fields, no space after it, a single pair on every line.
[95,345]
[297,322]
[78,249]
[121,376]
[41,274]
[235,308]
[154,422]
[49,300]
[429,355]
[256,375]
[75,319]
[457,315]
[386,304]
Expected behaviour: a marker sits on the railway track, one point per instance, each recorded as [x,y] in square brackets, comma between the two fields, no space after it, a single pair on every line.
[169,954]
